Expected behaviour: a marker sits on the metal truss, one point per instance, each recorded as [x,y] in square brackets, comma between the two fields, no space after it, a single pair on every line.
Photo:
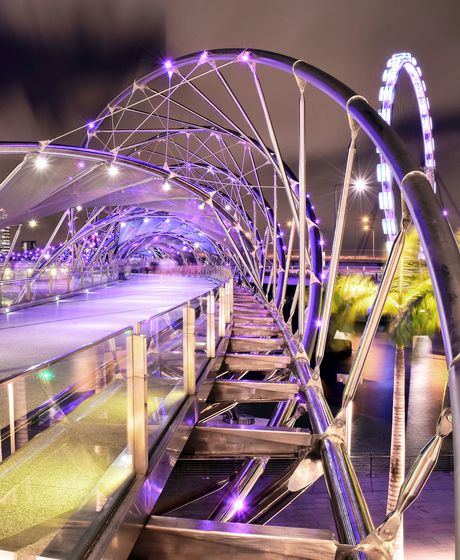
[207,174]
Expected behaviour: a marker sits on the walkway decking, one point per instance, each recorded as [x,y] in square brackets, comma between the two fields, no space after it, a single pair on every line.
[36,334]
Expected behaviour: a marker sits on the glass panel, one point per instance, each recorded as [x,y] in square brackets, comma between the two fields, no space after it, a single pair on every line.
[201,330]
[165,381]
[51,282]
[69,475]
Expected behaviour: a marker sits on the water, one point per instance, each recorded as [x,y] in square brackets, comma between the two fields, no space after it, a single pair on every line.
[371,428]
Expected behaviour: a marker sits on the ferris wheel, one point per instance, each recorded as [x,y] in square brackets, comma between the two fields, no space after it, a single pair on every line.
[395,65]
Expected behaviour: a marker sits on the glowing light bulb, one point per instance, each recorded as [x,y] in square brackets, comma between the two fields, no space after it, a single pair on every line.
[238,505]
[228,207]
[360,185]
[41,162]
[166,185]
[113,170]
[78,208]
[33,223]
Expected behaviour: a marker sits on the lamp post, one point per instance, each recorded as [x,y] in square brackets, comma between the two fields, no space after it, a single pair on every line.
[368,225]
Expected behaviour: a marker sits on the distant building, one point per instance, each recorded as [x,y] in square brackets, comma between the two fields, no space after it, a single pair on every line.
[5,240]
[28,245]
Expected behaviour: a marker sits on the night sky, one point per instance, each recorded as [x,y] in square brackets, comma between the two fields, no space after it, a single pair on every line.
[64,60]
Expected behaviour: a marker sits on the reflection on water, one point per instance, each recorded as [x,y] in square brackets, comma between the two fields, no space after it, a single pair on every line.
[425,381]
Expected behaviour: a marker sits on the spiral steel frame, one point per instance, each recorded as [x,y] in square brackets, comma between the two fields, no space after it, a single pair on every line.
[439,245]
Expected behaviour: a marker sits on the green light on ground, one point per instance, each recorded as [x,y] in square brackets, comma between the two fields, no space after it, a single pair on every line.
[45,375]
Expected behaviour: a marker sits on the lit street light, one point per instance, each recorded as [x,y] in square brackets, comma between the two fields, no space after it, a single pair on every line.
[360,185]
[368,225]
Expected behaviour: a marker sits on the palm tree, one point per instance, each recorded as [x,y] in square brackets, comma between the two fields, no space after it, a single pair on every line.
[411,307]
[353,296]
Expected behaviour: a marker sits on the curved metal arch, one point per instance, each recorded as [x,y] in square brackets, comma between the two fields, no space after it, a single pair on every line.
[273,158]
[395,65]
[438,242]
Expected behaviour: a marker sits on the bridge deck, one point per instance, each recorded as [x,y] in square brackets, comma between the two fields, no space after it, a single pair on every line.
[46,331]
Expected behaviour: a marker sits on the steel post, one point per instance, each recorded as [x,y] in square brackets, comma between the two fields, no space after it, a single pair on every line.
[336,246]
[302,210]
[222,312]
[189,349]
[211,325]
[137,402]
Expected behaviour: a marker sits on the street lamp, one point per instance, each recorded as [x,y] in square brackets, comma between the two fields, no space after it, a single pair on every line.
[369,225]
[360,185]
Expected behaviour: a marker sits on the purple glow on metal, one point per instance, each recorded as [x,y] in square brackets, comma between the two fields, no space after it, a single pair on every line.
[90,125]
[445,212]
[81,164]
[238,505]
[318,323]
[204,57]
[167,64]
[245,56]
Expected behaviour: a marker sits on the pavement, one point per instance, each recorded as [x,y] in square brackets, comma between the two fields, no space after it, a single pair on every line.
[428,523]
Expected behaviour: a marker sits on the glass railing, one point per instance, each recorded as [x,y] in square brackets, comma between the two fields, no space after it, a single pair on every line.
[71,433]
[21,285]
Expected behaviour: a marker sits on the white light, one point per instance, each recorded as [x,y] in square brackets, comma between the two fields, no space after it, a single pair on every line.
[201,206]
[113,170]
[360,185]
[166,185]
[33,223]
[228,207]
[146,220]
[78,208]
[196,244]
[40,162]
[122,224]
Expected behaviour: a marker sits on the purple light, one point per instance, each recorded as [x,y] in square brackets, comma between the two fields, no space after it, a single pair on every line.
[167,64]
[318,323]
[204,57]
[238,505]
[90,125]
[81,164]
[445,212]
[245,56]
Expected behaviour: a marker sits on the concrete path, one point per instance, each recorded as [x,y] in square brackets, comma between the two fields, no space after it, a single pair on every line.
[36,334]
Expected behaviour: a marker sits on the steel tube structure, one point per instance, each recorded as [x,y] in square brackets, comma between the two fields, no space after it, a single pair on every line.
[221,196]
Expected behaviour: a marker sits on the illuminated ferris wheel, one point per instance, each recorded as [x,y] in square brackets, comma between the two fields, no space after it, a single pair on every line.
[395,65]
